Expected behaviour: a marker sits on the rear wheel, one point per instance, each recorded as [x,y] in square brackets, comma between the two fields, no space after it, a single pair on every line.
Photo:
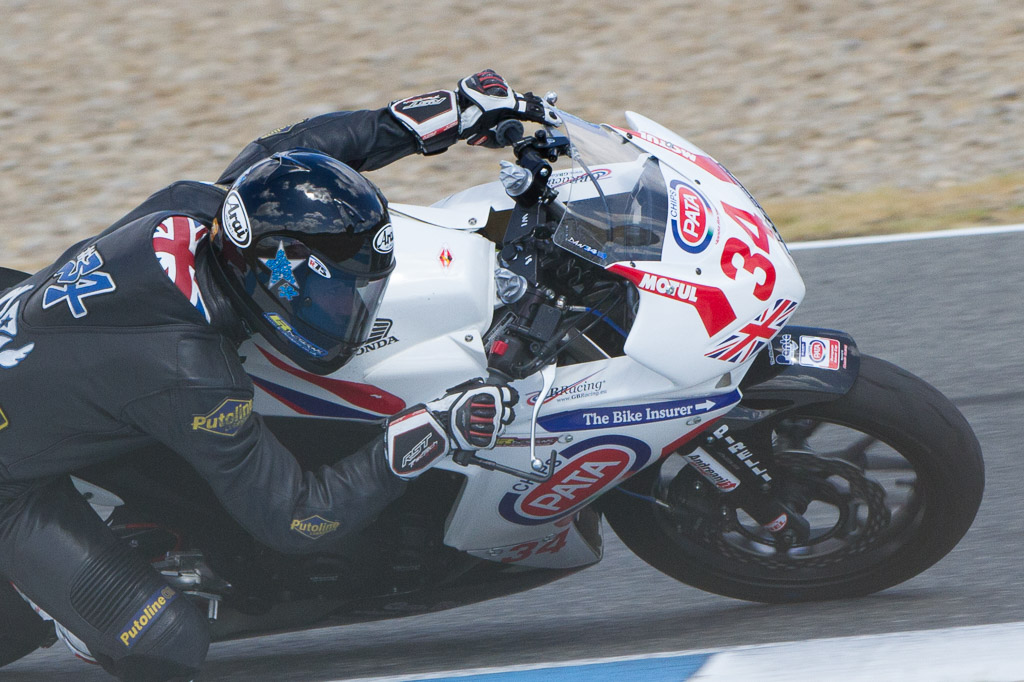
[891,477]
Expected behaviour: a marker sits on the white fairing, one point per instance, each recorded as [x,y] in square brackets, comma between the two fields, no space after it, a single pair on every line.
[439,301]
[724,285]
[742,276]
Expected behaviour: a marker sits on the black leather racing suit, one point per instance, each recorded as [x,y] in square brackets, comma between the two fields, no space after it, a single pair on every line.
[102,355]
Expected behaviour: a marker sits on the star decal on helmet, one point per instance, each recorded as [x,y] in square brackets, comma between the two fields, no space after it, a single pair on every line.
[281,271]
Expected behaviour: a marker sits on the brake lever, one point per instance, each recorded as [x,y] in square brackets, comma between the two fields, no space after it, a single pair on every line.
[547,375]
[466,457]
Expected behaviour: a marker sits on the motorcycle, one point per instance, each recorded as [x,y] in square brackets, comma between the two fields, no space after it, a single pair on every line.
[637,297]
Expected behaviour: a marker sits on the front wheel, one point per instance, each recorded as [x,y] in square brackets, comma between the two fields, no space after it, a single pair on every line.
[890,473]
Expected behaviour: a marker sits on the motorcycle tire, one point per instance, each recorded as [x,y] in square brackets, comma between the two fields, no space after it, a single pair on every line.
[933,461]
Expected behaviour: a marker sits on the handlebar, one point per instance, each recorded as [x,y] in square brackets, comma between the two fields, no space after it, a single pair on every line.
[527,180]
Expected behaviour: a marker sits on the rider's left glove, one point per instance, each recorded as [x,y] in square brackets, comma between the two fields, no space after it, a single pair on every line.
[473,113]
[486,99]
[470,416]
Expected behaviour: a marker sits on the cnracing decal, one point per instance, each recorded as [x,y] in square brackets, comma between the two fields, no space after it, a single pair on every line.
[568,177]
[78,279]
[688,214]
[9,305]
[226,419]
[143,619]
[587,387]
[584,469]
[739,347]
[314,527]
[631,415]
[710,303]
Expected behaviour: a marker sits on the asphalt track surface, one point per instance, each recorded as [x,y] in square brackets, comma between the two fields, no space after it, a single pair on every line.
[950,310]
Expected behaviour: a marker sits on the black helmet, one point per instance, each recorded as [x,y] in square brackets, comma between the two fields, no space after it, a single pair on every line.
[304,248]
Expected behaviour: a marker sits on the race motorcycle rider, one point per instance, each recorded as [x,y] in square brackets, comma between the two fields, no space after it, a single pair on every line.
[129,341]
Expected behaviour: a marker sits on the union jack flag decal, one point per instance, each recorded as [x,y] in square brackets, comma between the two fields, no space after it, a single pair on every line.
[175,241]
[751,338]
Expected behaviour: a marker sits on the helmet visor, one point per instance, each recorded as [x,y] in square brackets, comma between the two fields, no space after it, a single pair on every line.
[342,307]
[331,304]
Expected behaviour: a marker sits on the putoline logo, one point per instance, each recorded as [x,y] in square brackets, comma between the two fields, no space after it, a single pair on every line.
[688,215]
[226,419]
[586,468]
[314,527]
[236,220]
[384,242]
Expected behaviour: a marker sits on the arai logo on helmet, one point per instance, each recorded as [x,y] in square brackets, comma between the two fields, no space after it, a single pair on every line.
[384,242]
[236,220]
[688,215]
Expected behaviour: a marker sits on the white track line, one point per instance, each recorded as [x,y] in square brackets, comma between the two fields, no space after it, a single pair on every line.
[981,653]
[904,237]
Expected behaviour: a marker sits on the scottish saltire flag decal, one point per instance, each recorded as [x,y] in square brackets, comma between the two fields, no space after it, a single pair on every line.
[77,280]
[752,337]
[175,241]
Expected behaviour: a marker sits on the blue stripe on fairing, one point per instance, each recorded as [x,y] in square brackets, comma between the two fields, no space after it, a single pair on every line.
[311,405]
[668,669]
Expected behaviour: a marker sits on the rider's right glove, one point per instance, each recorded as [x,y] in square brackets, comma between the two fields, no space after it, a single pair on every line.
[469,416]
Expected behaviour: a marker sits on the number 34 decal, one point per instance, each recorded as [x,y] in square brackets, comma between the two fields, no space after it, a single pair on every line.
[528,549]
[753,262]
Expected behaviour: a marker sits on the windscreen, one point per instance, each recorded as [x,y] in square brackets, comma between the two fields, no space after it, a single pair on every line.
[614,195]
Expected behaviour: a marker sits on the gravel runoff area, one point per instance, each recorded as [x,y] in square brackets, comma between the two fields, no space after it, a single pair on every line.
[104,101]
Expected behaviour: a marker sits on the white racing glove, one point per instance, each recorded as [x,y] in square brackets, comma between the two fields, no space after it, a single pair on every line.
[487,99]
[470,416]
[473,113]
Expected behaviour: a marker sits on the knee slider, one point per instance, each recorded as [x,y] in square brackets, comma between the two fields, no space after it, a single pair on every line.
[173,647]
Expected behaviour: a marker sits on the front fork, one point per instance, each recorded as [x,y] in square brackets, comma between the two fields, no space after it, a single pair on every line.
[736,454]
[736,457]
